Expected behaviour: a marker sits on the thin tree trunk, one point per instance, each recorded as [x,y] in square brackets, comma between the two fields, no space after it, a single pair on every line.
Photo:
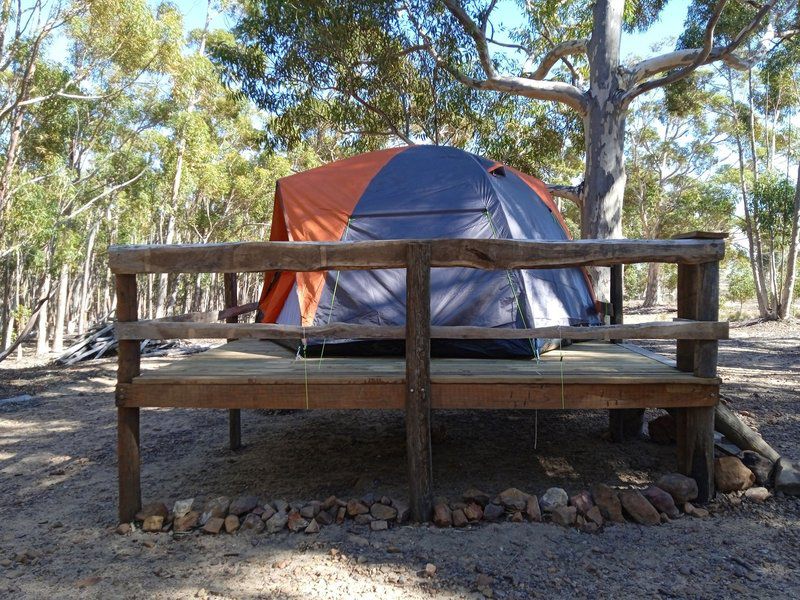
[83,300]
[787,293]
[61,309]
[42,343]
[652,295]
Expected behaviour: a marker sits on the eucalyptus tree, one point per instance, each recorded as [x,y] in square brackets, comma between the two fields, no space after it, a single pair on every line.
[359,58]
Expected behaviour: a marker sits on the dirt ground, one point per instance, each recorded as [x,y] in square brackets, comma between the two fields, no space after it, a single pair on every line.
[58,498]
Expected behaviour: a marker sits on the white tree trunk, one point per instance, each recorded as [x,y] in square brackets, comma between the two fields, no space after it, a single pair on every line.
[61,309]
[83,300]
[604,133]
[42,343]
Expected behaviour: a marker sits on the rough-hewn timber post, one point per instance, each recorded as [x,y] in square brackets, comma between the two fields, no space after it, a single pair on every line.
[418,380]
[234,414]
[128,461]
[622,423]
[698,298]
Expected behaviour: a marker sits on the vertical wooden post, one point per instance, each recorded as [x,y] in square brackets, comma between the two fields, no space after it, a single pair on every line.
[418,380]
[698,298]
[128,457]
[622,423]
[234,414]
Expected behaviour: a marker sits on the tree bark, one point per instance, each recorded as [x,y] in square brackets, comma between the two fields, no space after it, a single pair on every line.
[42,343]
[787,293]
[83,299]
[61,309]
[604,133]
[652,295]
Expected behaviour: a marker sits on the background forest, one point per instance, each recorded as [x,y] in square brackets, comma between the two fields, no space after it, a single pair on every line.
[121,125]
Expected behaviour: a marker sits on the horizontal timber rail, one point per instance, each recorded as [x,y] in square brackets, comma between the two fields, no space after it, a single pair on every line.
[677,330]
[244,257]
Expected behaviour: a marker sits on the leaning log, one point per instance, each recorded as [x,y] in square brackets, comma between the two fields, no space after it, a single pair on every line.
[729,425]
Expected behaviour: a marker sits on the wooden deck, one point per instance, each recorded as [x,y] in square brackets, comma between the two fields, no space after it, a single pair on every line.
[261,374]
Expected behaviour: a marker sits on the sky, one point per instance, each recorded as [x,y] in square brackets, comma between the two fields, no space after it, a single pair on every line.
[668,27]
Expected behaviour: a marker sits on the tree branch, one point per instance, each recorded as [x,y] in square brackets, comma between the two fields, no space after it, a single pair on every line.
[570,192]
[559,51]
[475,32]
[555,91]
[694,58]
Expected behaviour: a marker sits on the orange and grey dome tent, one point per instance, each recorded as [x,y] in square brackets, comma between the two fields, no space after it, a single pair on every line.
[420,192]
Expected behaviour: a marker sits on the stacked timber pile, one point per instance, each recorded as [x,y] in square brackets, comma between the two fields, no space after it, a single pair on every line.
[100,342]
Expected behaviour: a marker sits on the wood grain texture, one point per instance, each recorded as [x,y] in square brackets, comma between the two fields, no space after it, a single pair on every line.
[692,330]
[391,396]
[418,382]
[706,351]
[231,293]
[210,316]
[128,367]
[695,433]
[476,253]
[701,235]
[687,309]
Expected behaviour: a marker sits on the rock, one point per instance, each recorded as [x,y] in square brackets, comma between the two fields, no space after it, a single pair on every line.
[295,521]
[182,507]
[730,474]
[379,525]
[232,523]
[329,503]
[757,494]
[442,516]
[123,529]
[473,511]
[608,502]
[254,523]
[242,505]
[517,517]
[787,477]
[532,510]
[153,523]
[267,513]
[694,511]
[341,514]
[356,507]
[564,515]
[363,519]
[638,508]
[458,505]
[403,511]
[664,517]
[187,522]
[430,570]
[682,488]
[476,496]
[459,518]
[152,509]
[582,501]
[662,501]
[369,499]
[313,527]
[382,512]
[759,465]
[512,498]
[493,512]
[663,429]
[325,517]
[281,505]
[553,499]
[276,522]
[214,525]
[216,507]
[310,510]
[593,515]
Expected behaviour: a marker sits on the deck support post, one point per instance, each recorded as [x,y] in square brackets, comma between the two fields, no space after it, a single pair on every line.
[698,298]
[234,414]
[623,423]
[128,455]
[418,381]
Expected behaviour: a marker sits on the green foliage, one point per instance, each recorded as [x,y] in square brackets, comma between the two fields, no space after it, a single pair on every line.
[741,286]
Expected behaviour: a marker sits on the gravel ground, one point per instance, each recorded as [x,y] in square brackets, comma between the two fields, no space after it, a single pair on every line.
[58,494]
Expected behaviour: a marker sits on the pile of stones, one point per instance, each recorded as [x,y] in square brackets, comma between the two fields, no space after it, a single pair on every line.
[588,510]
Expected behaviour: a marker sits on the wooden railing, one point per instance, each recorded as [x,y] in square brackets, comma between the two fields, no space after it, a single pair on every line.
[696,329]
